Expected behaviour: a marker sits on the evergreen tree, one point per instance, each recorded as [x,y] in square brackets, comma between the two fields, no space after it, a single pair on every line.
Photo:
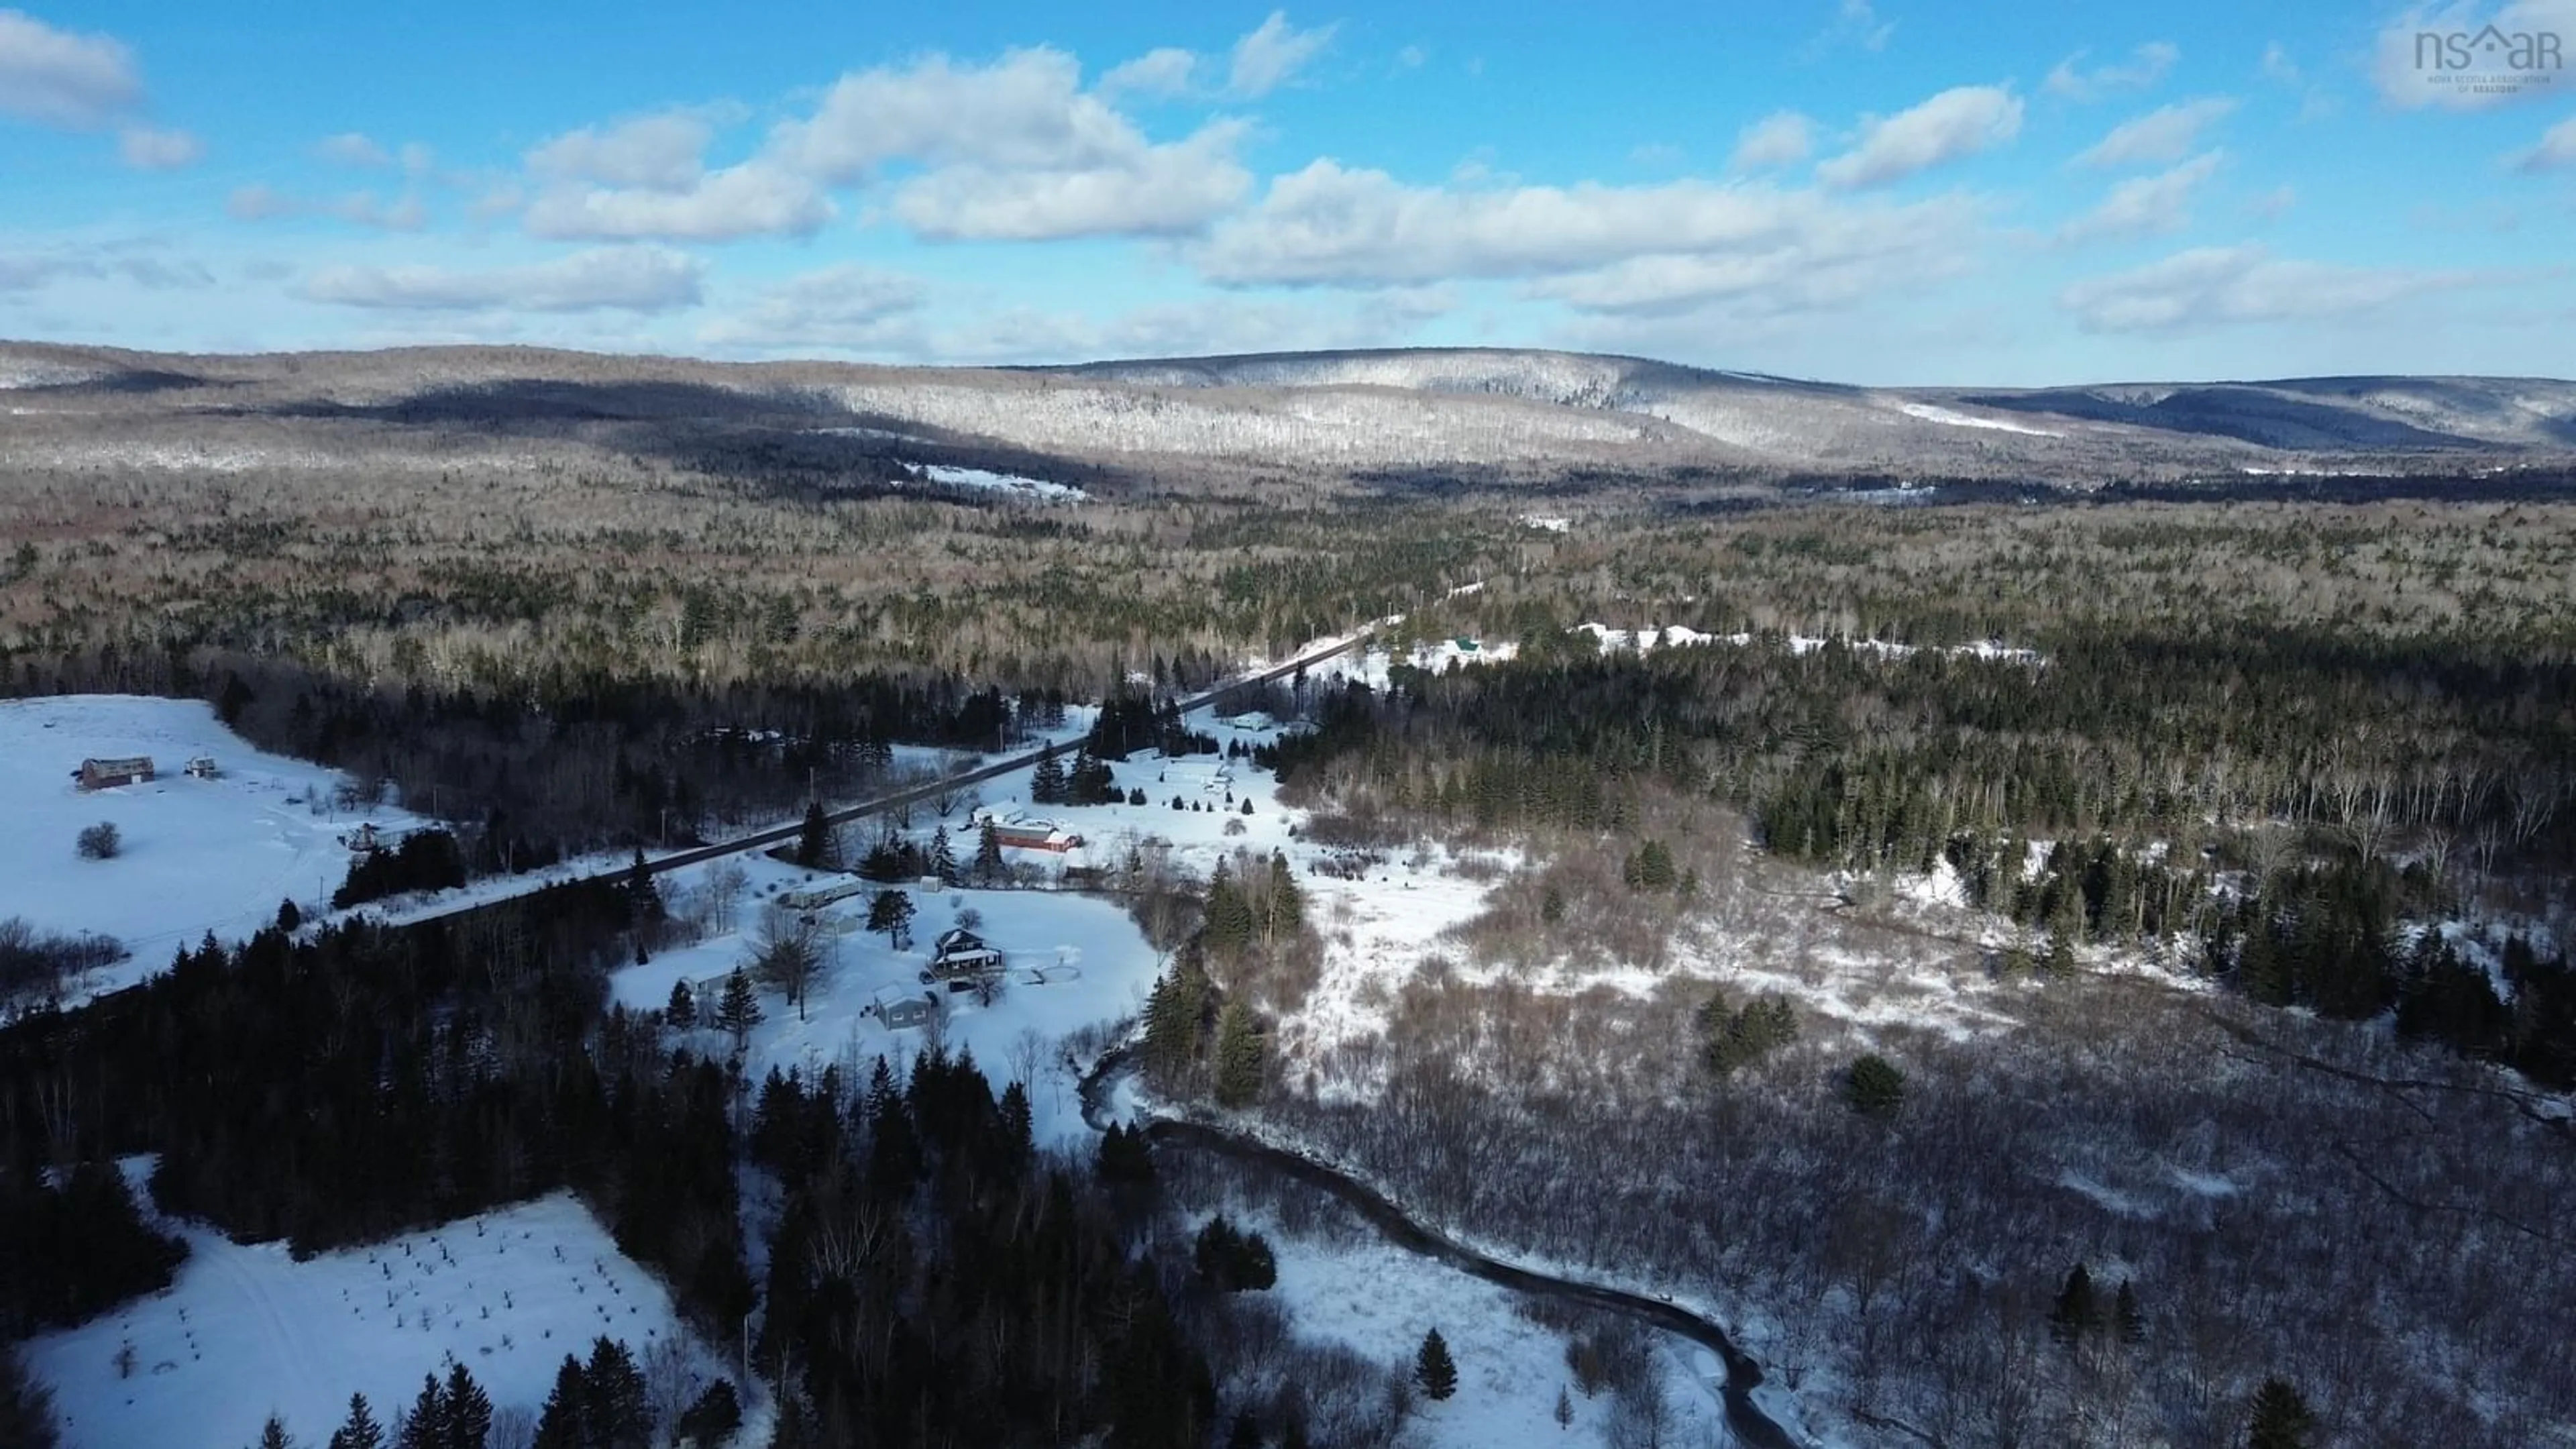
[1564,1408]
[943,859]
[2078,1310]
[738,1011]
[715,1415]
[1284,912]
[290,917]
[360,1430]
[424,1427]
[1874,1087]
[26,1405]
[1239,1057]
[891,911]
[988,852]
[814,839]
[2281,1419]
[682,1013]
[1046,783]
[1230,923]
[273,1435]
[643,897]
[1736,1037]
[1125,1157]
[1434,1372]
[2127,1319]
[616,1411]
[1175,1014]
[561,1424]
[465,1411]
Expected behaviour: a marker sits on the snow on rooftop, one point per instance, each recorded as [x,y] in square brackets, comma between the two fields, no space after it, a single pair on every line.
[198,855]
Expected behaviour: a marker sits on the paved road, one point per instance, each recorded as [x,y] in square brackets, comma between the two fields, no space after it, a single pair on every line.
[910,795]
[779,835]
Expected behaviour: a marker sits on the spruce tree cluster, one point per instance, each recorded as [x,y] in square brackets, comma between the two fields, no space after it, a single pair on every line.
[1232,1260]
[425,860]
[1737,1036]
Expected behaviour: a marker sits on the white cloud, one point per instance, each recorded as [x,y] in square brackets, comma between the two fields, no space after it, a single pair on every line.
[756,198]
[2278,64]
[261,202]
[853,307]
[131,262]
[1831,259]
[2165,134]
[1013,149]
[1590,246]
[1782,138]
[2418,61]
[2555,149]
[1162,190]
[635,279]
[1856,22]
[654,153]
[351,148]
[146,149]
[1025,110]
[1169,71]
[1263,59]
[1411,57]
[2230,286]
[362,209]
[2146,205]
[2146,65]
[1271,55]
[1957,122]
[63,79]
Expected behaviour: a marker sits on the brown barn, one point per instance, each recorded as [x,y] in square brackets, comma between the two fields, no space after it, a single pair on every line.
[1034,835]
[108,774]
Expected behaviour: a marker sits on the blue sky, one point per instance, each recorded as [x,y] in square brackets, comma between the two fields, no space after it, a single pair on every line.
[1869,190]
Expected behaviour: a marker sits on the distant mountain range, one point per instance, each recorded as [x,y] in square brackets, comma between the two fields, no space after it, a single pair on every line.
[1478,413]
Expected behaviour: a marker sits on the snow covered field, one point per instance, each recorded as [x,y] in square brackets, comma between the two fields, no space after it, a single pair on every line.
[247,1331]
[198,855]
[1379,1300]
[947,476]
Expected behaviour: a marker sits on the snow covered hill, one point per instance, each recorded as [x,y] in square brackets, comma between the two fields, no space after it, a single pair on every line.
[1506,412]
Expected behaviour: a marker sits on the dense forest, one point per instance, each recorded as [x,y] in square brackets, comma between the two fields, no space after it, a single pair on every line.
[2277,750]
[2213,788]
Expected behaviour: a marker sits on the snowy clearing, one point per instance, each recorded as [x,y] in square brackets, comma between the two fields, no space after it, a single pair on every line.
[1948,418]
[197,855]
[1379,1300]
[247,1331]
[947,476]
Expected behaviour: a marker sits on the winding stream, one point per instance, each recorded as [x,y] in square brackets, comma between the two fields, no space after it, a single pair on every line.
[1751,1426]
